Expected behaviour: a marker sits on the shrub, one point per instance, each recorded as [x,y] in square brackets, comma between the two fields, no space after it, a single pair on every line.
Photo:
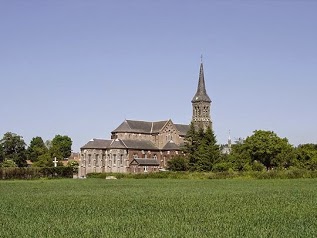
[221,167]
[178,163]
[33,172]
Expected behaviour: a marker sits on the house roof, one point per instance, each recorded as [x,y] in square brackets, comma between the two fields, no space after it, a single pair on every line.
[97,144]
[134,126]
[147,127]
[145,162]
[139,144]
[183,129]
[119,144]
[170,146]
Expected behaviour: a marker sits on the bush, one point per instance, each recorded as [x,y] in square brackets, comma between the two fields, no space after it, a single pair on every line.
[33,172]
[257,166]
[178,163]
[221,167]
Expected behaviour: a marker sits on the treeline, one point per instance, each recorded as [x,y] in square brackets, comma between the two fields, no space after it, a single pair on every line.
[14,152]
[262,151]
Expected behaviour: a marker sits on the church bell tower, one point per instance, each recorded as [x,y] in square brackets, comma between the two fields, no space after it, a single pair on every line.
[201,104]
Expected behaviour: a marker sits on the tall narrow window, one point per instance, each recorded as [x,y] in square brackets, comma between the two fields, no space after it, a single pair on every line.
[97,160]
[83,161]
[89,159]
[114,159]
[121,160]
[103,160]
[109,161]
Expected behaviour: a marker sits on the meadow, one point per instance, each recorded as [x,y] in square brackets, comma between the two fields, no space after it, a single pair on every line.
[158,208]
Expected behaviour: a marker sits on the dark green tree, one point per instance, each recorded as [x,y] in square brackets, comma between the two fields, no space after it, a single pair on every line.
[13,147]
[178,163]
[190,147]
[36,149]
[201,149]
[208,152]
[61,147]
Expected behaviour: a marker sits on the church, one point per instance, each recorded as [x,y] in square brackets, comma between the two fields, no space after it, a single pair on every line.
[144,146]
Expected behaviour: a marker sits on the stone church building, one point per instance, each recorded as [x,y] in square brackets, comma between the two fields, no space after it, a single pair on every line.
[144,146]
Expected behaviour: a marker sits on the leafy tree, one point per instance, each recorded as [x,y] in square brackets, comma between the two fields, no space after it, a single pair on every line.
[178,163]
[8,163]
[13,147]
[44,160]
[61,147]
[1,153]
[239,157]
[305,155]
[36,149]
[266,147]
[74,164]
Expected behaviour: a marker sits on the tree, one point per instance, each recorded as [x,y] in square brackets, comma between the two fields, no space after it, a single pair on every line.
[269,149]
[8,163]
[13,147]
[74,164]
[201,149]
[306,154]
[239,157]
[36,149]
[178,163]
[44,160]
[1,153]
[61,147]
[191,145]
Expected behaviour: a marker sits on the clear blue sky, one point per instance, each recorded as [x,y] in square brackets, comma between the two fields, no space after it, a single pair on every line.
[79,68]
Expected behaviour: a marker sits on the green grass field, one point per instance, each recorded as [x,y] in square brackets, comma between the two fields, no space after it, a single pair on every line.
[158,208]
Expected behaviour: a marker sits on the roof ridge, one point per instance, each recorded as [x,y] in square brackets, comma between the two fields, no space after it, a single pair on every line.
[128,123]
[124,143]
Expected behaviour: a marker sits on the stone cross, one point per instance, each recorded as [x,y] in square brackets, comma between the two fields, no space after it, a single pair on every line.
[55,162]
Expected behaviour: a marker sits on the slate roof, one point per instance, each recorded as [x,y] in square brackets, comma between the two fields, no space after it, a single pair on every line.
[146,162]
[139,144]
[158,125]
[97,144]
[147,127]
[134,126]
[182,129]
[170,146]
[201,94]
[119,144]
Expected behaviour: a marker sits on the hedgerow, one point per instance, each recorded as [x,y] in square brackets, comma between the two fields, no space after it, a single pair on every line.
[34,172]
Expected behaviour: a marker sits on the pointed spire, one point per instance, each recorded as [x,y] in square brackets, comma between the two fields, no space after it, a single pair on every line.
[201,94]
